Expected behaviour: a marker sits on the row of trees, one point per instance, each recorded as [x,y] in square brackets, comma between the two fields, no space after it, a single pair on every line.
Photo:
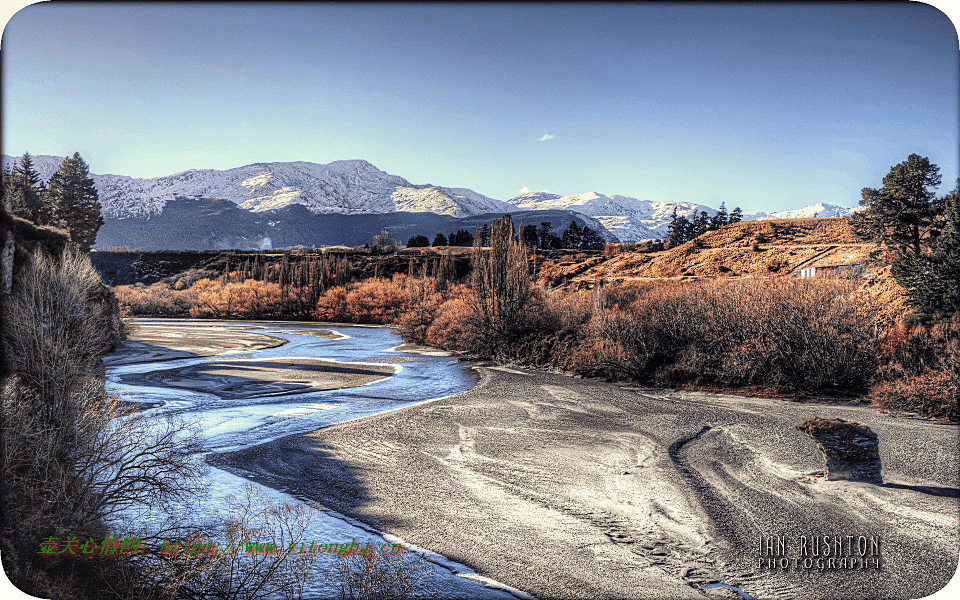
[69,200]
[460,238]
[575,237]
[681,229]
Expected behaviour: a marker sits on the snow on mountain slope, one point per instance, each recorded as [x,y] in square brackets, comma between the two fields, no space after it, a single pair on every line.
[344,187]
[626,218]
[817,210]
[358,187]
[44,165]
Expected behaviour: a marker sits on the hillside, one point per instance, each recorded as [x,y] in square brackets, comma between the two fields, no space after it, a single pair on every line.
[753,248]
[211,224]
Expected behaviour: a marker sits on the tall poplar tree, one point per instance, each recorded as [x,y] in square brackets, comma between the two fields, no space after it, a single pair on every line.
[73,197]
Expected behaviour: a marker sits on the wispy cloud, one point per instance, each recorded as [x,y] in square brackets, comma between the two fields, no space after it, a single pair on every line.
[546,137]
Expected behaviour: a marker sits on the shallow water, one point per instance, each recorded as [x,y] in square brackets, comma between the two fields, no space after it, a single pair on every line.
[232,424]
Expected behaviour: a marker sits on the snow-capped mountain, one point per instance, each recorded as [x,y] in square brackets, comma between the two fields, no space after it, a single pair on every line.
[632,219]
[352,187]
[44,165]
[626,218]
[817,210]
[343,187]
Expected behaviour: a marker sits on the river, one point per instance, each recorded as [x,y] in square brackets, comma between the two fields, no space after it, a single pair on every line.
[230,422]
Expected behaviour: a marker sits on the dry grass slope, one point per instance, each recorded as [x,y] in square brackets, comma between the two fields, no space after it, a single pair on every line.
[754,248]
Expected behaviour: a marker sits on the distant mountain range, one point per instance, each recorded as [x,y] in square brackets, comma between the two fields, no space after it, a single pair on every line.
[261,196]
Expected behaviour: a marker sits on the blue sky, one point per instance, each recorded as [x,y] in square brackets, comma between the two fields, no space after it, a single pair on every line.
[765,106]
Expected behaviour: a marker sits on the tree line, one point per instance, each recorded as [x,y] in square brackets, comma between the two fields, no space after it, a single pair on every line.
[681,229]
[69,200]
[542,237]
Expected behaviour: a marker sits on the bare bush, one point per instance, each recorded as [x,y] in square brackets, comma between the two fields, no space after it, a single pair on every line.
[55,331]
[376,575]
[73,459]
[799,336]
[265,553]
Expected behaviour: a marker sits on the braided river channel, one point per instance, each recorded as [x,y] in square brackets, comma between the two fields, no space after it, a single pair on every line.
[236,406]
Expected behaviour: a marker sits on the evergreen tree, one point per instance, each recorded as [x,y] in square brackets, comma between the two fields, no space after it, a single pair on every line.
[903,214]
[529,235]
[573,236]
[932,280]
[701,223]
[13,199]
[73,198]
[591,240]
[677,229]
[543,233]
[418,241]
[23,193]
[720,219]
[440,240]
[484,235]
[736,215]
[461,238]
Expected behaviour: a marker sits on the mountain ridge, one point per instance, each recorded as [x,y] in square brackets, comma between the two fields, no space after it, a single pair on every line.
[356,186]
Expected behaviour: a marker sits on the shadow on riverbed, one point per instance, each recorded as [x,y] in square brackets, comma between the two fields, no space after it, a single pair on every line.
[926,489]
[142,352]
[301,468]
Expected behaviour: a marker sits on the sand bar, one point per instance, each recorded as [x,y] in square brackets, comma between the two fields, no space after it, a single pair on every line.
[568,488]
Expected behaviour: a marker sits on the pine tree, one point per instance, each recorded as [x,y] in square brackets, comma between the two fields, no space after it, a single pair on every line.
[573,236]
[720,219]
[543,233]
[74,201]
[591,240]
[461,238]
[13,198]
[677,229]
[903,214]
[23,193]
[932,280]
[736,215]
[440,240]
[701,223]
[529,235]
[418,241]
[484,235]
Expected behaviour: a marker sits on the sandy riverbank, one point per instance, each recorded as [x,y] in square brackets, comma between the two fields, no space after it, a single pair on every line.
[566,488]
[232,375]
[150,341]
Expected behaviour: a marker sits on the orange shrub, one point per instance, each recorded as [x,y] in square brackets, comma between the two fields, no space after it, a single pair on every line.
[452,329]
[376,300]
[332,305]
[932,394]
[155,300]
